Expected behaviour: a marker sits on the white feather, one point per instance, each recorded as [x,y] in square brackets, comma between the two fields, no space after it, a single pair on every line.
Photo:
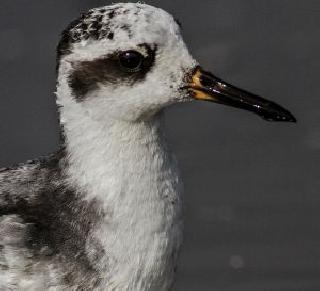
[118,156]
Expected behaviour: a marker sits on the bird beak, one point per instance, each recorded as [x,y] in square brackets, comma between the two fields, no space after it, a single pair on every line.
[205,86]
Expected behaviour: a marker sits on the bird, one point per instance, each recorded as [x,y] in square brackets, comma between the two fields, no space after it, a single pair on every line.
[105,211]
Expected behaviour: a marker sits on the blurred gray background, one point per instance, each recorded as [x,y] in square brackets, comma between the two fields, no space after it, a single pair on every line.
[252,187]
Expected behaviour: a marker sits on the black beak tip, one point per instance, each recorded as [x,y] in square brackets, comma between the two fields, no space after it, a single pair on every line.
[281,117]
[291,118]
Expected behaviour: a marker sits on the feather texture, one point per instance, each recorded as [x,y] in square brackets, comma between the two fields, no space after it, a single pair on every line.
[105,211]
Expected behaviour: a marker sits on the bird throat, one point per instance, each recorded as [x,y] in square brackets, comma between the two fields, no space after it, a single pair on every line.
[129,170]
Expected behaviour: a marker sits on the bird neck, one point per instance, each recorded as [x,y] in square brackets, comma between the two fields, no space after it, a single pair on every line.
[127,168]
[104,157]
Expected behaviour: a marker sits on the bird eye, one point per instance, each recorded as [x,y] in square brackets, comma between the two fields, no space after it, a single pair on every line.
[131,61]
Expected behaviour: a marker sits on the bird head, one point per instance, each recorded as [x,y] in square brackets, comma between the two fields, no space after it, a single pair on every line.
[128,61]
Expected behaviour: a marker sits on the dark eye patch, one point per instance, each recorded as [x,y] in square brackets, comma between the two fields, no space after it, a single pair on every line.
[87,75]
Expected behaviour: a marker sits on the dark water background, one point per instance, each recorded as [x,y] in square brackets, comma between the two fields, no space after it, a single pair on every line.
[252,187]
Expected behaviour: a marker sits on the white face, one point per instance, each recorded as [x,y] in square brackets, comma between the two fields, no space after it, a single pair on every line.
[125,61]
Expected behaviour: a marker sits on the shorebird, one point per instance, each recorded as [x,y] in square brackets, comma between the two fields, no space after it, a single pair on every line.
[105,211]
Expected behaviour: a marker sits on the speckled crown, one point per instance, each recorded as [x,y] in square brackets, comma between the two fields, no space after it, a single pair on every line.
[95,24]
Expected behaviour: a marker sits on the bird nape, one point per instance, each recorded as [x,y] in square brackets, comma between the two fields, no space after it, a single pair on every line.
[105,211]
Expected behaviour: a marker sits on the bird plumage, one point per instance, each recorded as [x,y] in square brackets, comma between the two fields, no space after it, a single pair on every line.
[104,212]
[117,228]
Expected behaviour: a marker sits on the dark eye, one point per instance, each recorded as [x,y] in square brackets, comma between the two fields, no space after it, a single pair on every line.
[131,61]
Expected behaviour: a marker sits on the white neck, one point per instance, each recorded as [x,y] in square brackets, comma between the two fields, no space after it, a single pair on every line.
[128,168]
[100,152]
